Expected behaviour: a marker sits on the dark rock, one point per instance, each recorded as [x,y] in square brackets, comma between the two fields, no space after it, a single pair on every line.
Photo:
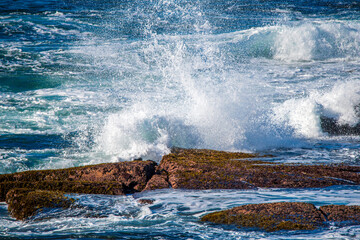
[209,169]
[107,178]
[146,201]
[342,213]
[270,216]
[331,126]
[24,203]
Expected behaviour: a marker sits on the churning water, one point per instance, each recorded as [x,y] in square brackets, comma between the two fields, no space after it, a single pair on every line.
[84,82]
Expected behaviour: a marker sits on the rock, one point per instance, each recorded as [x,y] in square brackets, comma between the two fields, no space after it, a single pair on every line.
[332,127]
[158,181]
[285,216]
[24,203]
[183,168]
[146,201]
[107,178]
[270,216]
[204,169]
[110,188]
[342,213]
[209,169]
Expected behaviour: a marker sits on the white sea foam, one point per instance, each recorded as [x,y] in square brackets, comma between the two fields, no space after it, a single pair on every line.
[191,97]
[303,114]
[245,90]
[318,40]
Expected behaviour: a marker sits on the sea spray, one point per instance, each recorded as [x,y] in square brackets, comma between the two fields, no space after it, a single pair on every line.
[303,114]
[85,82]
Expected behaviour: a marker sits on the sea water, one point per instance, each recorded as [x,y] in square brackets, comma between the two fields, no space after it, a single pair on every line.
[86,82]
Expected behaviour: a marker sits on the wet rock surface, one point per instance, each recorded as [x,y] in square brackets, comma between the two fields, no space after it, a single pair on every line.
[284,216]
[146,201]
[342,214]
[209,169]
[24,203]
[195,169]
[158,181]
[109,178]
[331,126]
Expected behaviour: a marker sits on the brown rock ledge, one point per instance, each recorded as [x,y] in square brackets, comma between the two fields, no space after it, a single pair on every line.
[341,213]
[24,203]
[209,169]
[108,178]
[284,216]
[183,168]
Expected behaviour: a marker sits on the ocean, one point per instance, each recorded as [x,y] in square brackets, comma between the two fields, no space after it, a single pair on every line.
[87,82]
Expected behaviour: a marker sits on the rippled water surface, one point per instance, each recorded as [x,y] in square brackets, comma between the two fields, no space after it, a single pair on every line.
[174,215]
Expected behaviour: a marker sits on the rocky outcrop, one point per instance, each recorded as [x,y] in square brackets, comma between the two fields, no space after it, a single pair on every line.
[283,216]
[158,181]
[183,168]
[342,214]
[24,203]
[331,126]
[189,169]
[209,169]
[108,178]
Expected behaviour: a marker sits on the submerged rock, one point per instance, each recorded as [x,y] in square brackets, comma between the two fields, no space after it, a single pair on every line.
[24,203]
[209,169]
[108,178]
[146,201]
[284,216]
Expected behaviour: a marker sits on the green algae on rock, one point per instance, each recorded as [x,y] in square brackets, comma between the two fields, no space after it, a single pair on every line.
[24,203]
[183,168]
[285,216]
[342,214]
[108,178]
[210,169]
[270,216]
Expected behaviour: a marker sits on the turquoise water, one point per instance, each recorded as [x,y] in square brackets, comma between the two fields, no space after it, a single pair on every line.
[84,82]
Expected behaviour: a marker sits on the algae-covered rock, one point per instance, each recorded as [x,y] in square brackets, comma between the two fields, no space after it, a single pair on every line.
[209,169]
[285,216]
[110,188]
[24,203]
[108,178]
[342,213]
[270,216]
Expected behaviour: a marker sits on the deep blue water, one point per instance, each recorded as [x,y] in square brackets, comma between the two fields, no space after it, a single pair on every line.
[84,82]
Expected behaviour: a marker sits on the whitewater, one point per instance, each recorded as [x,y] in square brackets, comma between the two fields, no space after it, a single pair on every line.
[86,82]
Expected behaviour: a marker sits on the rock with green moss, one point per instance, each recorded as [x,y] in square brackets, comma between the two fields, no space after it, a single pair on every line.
[108,178]
[24,203]
[285,216]
[342,214]
[183,168]
[270,216]
[209,169]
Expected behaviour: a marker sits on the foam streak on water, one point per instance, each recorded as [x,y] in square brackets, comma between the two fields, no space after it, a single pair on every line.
[174,214]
